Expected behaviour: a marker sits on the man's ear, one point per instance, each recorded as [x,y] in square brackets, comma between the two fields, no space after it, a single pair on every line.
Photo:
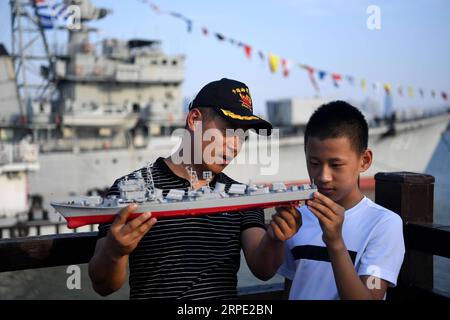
[193,116]
[366,160]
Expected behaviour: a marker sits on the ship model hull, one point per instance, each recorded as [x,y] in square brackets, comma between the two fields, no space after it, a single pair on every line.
[80,215]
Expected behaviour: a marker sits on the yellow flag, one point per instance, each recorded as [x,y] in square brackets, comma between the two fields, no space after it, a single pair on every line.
[363,84]
[274,62]
[410,92]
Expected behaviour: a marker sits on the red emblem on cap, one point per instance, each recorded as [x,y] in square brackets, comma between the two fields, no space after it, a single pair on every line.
[244,94]
[246,101]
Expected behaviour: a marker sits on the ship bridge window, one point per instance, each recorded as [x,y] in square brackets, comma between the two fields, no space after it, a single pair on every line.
[164,62]
[154,62]
[174,62]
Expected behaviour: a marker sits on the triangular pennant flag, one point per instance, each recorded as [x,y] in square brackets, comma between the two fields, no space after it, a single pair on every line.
[375,86]
[205,31]
[336,78]
[219,36]
[311,77]
[387,88]
[363,84]
[400,91]
[155,8]
[410,92]
[232,41]
[189,25]
[248,51]
[444,95]
[421,92]
[321,74]
[261,55]
[274,62]
[433,93]
[350,79]
[286,67]
[176,15]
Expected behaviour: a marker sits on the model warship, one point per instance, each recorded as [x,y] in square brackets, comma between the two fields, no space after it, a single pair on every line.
[178,202]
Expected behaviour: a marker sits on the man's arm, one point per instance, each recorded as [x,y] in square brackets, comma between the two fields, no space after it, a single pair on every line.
[108,266]
[263,249]
[350,286]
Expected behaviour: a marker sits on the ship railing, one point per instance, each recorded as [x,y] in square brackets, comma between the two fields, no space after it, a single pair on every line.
[18,153]
[408,194]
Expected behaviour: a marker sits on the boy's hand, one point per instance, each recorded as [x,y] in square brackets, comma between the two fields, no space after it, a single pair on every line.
[285,223]
[331,218]
[123,237]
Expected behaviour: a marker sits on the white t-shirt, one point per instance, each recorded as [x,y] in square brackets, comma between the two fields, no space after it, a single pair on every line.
[373,236]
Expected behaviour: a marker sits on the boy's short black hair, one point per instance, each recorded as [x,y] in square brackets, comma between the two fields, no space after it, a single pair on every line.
[339,119]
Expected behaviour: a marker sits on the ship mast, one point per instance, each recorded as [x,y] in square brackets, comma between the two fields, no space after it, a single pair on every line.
[150,182]
[193,178]
[29,51]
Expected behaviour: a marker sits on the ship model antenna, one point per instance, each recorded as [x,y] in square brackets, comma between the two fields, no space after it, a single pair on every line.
[193,178]
[207,175]
[149,181]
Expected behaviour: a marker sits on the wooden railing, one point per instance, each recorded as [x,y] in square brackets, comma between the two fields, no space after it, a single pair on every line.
[408,194]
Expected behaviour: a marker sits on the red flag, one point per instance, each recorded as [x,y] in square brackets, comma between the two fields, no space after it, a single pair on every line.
[248,51]
[286,67]
[312,79]
[336,77]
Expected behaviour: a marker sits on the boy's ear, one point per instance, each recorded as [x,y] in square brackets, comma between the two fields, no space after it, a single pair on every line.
[366,160]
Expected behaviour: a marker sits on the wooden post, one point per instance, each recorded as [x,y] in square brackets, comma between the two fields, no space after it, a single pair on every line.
[411,196]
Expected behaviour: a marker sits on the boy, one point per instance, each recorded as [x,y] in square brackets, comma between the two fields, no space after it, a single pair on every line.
[348,247]
[194,257]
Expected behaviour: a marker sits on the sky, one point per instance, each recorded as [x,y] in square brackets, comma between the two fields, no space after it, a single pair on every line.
[411,48]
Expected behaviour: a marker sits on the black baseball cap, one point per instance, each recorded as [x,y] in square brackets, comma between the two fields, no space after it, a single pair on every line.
[231,100]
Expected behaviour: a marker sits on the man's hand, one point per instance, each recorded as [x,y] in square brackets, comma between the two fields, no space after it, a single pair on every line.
[123,237]
[331,218]
[285,223]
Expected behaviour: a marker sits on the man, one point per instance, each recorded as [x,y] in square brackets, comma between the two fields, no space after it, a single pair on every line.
[194,257]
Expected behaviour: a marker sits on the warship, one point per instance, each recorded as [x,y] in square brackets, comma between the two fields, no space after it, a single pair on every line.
[95,209]
[96,109]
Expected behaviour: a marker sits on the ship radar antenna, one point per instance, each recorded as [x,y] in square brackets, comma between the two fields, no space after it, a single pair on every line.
[207,175]
[149,181]
[193,178]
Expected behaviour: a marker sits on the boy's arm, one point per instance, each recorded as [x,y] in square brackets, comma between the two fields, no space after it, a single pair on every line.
[350,286]
[287,288]
[348,283]
[108,266]
[263,249]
